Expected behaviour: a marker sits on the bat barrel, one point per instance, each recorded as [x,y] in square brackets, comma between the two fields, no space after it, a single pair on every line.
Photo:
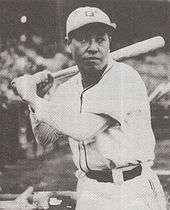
[123,53]
[139,48]
[133,50]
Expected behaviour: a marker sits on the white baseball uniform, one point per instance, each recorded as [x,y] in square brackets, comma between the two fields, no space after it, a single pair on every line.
[125,141]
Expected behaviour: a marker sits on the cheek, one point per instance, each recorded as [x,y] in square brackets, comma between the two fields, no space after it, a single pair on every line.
[76,51]
[105,49]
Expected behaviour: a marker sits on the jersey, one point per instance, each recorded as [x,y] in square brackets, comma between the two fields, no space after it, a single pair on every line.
[121,97]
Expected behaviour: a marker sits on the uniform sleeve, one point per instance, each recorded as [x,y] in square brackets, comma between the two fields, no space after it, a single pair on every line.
[134,92]
[43,132]
[119,92]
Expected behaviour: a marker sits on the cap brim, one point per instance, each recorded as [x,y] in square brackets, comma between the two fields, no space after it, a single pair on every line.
[111,26]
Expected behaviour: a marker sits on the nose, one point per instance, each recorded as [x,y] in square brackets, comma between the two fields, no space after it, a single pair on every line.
[93,46]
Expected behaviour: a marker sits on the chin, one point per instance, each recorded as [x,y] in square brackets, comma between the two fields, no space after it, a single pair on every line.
[93,67]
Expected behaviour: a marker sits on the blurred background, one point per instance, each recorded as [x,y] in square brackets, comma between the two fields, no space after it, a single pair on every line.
[32,39]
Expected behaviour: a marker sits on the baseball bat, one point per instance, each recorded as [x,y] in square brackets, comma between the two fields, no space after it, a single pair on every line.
[133,50]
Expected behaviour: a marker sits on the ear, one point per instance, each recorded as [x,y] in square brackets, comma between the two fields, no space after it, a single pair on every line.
[110,39]
[67,42]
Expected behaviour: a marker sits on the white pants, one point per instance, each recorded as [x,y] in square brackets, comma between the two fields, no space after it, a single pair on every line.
[141,193]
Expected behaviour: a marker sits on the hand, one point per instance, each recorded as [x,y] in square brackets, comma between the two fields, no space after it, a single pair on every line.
[22,202]
[44,87]
[26,86]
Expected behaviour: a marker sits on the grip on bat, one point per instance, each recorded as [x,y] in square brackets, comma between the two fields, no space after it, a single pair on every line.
[41,87]
[133,50]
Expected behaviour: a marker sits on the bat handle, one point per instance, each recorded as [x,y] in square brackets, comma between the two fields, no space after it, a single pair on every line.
[41,87]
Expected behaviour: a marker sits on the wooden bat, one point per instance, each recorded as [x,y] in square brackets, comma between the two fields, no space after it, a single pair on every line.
[133,50]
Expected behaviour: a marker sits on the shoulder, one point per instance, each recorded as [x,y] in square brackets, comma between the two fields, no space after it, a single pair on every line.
[124,70]
[122,78]
[122,73]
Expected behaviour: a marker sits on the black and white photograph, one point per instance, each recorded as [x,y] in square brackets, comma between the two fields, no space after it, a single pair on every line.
[84,104]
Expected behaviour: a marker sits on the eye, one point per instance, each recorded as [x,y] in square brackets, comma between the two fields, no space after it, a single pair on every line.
[100,40]
[81,38]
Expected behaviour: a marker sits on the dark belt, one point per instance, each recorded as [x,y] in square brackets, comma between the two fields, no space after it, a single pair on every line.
[106,175]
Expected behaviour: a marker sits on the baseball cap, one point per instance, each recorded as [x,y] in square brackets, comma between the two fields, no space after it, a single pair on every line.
[87,15]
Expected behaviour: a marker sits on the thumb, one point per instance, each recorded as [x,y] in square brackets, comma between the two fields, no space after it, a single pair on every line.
[26,194]
[43,76]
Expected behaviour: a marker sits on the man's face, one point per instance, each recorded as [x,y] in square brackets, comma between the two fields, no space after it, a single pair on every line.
[90,47]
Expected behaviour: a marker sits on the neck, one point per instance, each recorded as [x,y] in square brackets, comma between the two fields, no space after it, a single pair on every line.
[91,76]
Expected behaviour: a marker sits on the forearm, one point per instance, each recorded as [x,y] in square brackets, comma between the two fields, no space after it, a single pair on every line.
[9,205]
[44,134]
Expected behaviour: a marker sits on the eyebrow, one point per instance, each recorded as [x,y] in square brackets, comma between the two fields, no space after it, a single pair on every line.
[81,33]
[91,33]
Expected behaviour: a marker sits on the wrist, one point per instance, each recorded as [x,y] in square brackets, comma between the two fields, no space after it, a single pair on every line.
[34,102]
[8,205]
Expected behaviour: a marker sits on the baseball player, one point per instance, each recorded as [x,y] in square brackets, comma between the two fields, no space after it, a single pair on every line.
[104,110]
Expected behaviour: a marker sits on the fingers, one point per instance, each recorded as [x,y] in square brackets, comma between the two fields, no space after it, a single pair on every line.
[25,87]
[30,84]
[46,83]
[43,77]
[43,89]
[23,200]
[40,77]
[26,194]
[19,83]
[46,79]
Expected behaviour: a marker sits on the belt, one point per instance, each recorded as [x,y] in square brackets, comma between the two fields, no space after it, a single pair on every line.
[107,174]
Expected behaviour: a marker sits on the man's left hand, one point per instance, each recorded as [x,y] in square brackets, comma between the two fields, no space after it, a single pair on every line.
[23,200]
[26,86]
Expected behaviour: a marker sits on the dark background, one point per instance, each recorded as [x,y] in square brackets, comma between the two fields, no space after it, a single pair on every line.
[136,19]
[22,162]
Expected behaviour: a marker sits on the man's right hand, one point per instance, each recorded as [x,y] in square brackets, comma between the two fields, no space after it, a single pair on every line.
[44,87]
[26,86]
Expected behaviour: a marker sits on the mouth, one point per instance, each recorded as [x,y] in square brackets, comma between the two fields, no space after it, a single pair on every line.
[91,59]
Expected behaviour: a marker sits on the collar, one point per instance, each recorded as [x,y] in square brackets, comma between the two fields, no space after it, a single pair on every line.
[78,80]
[109,66]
